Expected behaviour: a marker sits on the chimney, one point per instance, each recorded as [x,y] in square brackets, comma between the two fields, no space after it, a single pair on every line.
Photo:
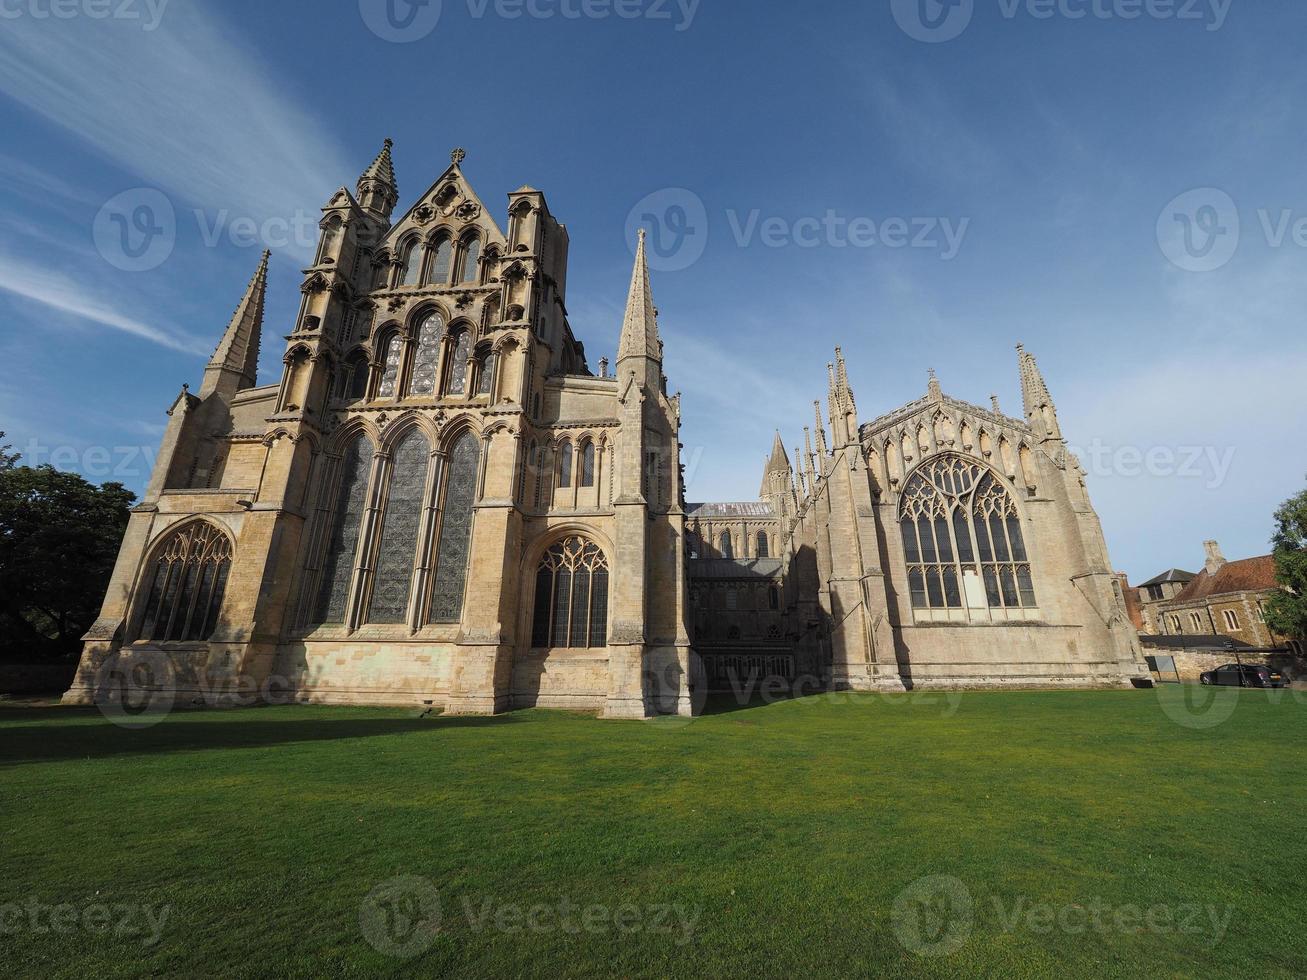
[1215,560]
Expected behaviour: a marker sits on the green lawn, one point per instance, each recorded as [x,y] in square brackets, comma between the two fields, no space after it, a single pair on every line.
[1009,834]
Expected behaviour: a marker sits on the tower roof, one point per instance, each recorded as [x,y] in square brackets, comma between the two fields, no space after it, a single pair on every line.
[779,462]
[640,325]
[238,351]
[382,170]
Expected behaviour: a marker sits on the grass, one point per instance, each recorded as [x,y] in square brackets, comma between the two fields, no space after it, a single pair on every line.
[778,838]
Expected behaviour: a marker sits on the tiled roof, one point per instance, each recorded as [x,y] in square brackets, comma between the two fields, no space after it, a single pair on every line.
[1248,575]
[1173,575]
[754,508]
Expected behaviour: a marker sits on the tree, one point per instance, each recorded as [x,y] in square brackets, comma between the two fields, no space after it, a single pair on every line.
[59,537]
[8,460]
[1286,610]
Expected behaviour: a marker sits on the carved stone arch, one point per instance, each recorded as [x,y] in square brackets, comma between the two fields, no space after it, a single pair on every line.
[295,351]
[399,427]
[339,440]
[423,310]
[439,232]
[506,344]
[521,209]
[497,426]
[966,436]
[455,426]
[986,444]
[315,283]
[462,322]
[181,585]
[280,432]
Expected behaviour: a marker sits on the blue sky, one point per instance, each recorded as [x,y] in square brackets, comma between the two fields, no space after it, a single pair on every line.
[1051,147]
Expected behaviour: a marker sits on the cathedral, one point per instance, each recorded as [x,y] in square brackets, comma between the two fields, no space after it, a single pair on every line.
[440,503]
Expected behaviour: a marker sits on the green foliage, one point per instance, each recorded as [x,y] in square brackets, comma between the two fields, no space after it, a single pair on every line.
[8,460]
[59,536]
[1286,610]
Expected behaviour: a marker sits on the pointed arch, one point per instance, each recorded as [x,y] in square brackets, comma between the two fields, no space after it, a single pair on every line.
[426,357]
[390,351]
[469,259]
[344,520]
[459,502]
[187,577]
[406,482]
[410,269]
[571,595]
[442,261]
[587,462]
[460,353]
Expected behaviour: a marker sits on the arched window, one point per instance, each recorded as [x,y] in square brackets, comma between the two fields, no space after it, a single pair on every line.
[390,367]
[442,264]
[427,360]
[571,604]
[457,383]
[762,545]
[486,374]
[725,543]
[397,549]
[455,531]
[354,378]
[962,539]
[330,235]
[408,275]
[346,520]
[471,253]
[187,585]
[588,465]
[565,465]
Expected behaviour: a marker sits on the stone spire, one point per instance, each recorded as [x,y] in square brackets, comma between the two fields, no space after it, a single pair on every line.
[640,326]
[843,411]
[933,391]
[1040,411]
[377,191]
[235,364]
[809,456]
[821,429]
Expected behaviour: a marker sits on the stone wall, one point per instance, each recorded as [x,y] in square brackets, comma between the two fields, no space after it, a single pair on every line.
[1192,663]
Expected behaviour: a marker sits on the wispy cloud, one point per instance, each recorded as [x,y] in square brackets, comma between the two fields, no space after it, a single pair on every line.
[185,107]
[40,285]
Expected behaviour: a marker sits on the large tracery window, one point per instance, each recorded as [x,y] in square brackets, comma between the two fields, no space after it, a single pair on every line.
[962,539]
[399,534]
[571,604]
[455,531]
[390,367]
[346,520]
[427,360]
[187,585]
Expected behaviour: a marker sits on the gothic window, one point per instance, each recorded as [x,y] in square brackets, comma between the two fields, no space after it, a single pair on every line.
[455,531]
[762,544]
[427,360]
[354,377]
[486,374]
[390,367]
[773,598]
[571,603]
[588,465]
[346,519]
[408,275]
[725,543]
[188,580]
[399,533]
[962,539]
[471,253]
[330,235]
[442,264]
[457,383]
[565,465]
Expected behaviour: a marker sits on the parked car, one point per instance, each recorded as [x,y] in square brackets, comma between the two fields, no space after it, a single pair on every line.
[1247,675]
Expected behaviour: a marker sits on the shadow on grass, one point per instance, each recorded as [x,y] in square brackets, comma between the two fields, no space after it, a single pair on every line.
[192,731]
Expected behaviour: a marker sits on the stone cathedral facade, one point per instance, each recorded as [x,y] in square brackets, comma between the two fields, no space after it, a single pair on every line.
[440,503]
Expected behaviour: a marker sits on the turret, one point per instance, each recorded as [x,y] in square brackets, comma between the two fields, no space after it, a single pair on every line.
[377,191]
[1040,411]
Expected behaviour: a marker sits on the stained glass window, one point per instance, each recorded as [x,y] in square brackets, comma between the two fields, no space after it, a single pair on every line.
[726,549]
[399,535]
[588,465]
[571,605]
[565,465]
[412,265]
[187,586]
[427,360]
[346,518]
[441,266]
[486,375]
[471,253]
[455,531]
[962,539]
[762,544]
[458,365]
[390,370]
